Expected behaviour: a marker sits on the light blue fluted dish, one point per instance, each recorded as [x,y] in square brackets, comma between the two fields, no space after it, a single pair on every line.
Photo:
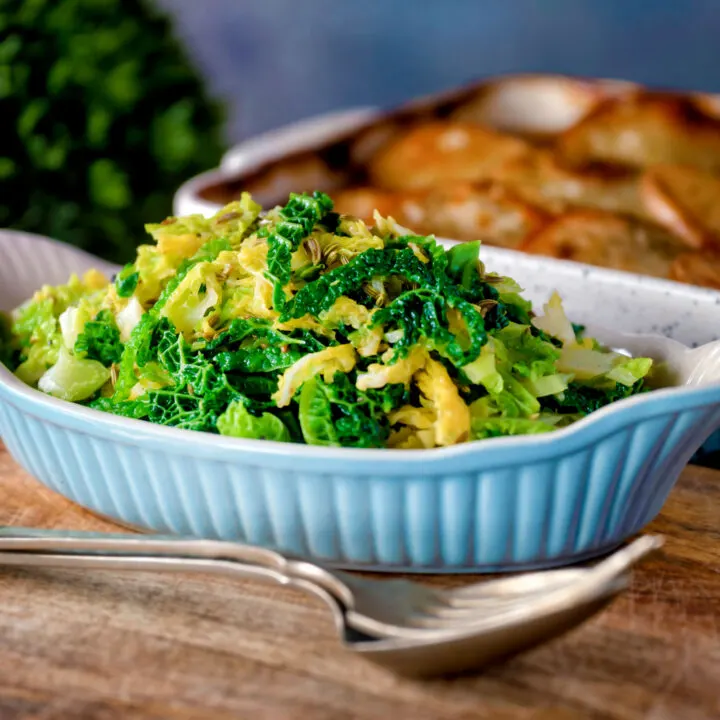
[494,505]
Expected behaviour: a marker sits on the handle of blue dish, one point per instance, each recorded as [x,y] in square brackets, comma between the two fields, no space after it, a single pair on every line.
[65,542]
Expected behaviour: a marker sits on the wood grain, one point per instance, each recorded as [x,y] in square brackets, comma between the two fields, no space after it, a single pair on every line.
[111,645]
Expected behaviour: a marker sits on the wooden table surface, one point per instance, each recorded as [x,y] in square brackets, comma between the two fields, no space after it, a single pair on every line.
[111,645]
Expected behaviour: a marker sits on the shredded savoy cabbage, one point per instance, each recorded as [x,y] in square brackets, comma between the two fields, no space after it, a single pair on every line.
[302,325]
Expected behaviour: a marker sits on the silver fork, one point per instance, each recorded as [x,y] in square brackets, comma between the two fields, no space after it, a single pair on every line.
[379,608]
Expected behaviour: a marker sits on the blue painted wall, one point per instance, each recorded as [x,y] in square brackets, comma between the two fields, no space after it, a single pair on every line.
[280,60]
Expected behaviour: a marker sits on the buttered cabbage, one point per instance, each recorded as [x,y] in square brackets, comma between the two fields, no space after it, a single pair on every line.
[302,325]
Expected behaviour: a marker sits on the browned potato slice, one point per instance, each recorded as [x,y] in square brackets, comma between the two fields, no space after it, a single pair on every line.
[697,268]
[363,201]
[485,212]
[534,105]
[541,180]
[686,201]
[607,240]
[435,153]
[644,130]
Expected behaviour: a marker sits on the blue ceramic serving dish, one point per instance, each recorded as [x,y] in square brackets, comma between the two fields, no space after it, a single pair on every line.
[494,505]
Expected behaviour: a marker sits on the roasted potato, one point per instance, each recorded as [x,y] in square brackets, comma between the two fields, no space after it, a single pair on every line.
[542,180]
[363,201]
[440,152]
[686,201]
[537,106]
[697,268]
[645,129]
[608,240]
[487,211]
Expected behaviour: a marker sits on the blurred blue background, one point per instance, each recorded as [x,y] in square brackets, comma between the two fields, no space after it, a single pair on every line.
[280,60]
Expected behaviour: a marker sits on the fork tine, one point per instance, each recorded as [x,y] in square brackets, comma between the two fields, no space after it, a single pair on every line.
[511,614]
[459,609]
[455,613]
[500,590]
[521,586]
[540,582]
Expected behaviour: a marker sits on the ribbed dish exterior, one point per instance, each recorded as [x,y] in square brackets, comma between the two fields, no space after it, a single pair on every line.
[477,512]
